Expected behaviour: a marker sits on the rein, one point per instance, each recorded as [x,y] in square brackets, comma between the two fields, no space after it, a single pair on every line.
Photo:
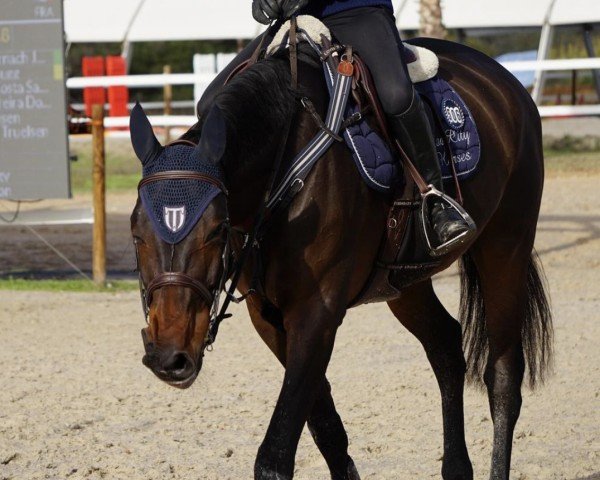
[274,195]
[250,239]
[181,279]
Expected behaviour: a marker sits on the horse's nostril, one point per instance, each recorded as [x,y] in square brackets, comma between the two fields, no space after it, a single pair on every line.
[179,364]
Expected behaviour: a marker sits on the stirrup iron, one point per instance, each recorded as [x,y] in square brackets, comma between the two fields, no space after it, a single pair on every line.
[450,245]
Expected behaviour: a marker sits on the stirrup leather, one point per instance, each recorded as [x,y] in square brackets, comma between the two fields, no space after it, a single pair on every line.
[443,249]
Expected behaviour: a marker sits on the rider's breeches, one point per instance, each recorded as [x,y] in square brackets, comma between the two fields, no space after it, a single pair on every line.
[373,33]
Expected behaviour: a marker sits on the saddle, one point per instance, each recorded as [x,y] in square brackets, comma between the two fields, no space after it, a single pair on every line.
[403,257]
[404,253]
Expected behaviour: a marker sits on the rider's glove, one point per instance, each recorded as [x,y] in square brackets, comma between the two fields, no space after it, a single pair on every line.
[264,11]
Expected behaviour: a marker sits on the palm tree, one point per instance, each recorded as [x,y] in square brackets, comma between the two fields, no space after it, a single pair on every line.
[431,19]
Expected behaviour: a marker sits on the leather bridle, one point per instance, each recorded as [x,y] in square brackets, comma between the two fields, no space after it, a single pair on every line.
[182,279]
[178,279]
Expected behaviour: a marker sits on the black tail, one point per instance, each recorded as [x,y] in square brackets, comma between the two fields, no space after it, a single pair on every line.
[536,334]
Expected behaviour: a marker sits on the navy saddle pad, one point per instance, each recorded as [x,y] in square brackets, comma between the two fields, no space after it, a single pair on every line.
[457,124]
[380,168]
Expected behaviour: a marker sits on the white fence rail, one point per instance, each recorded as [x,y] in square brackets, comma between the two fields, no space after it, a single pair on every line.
[553,65]
[156,120]
[203,65]
[140,81]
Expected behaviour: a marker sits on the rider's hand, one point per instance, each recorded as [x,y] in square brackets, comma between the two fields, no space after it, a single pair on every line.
[264,11]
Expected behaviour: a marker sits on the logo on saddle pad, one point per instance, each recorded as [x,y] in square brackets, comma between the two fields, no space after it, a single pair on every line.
[174,218]
[453,114]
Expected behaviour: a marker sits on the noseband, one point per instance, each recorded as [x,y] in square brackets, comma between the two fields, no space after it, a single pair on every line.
[181,279]
[178,279]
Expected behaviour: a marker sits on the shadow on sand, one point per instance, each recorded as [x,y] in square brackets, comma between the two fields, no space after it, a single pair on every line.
[587,226]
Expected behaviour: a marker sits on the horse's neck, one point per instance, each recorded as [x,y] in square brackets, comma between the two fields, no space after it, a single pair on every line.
[259,137]
[247,180]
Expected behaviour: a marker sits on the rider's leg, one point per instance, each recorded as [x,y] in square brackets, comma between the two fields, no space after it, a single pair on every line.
[373,33]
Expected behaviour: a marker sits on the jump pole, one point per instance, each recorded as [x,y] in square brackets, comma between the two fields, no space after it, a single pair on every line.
[99,196]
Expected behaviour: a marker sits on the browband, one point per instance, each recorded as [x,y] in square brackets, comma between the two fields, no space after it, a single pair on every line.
[182,175]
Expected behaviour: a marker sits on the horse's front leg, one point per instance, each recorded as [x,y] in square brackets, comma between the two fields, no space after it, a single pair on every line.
[311,330]
[324,422]
[328,432]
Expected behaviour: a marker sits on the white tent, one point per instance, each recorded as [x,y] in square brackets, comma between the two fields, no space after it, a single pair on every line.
[102,21]
[476,13]
[505,13]
[156,20]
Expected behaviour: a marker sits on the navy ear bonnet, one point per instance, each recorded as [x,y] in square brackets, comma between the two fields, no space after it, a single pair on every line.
[175,206]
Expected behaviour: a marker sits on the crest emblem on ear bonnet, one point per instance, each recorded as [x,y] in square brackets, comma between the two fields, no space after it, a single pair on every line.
[174,218]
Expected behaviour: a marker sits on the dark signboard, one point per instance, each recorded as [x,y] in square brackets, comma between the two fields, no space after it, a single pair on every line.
[33,130]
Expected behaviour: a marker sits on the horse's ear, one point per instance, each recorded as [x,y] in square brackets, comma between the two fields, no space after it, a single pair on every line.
[213,140]
[144,142]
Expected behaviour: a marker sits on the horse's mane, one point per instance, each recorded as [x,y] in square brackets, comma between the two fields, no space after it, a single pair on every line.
[256,104]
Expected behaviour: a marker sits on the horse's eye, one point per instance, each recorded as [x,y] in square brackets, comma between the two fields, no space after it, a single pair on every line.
[137,240]
[215,233]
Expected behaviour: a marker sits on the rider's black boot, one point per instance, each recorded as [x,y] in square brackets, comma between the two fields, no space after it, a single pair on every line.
[413,131]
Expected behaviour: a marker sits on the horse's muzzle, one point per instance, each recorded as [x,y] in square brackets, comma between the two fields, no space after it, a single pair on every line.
[177,368]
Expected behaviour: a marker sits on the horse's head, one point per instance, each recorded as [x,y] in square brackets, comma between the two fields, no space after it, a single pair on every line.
[181,231]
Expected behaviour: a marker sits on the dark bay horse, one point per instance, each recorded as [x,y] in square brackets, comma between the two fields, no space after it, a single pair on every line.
[318,254]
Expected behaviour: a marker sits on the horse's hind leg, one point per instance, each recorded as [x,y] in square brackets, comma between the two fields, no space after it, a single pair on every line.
[503,275]
[512,324]
[421,312]
[324,422]
[504,293]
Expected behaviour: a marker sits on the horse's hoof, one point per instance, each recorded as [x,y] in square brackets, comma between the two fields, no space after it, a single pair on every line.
[456,472]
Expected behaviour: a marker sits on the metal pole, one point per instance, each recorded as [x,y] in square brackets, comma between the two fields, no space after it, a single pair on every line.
[99,196]
[127,54]
[543,52]
[591,51]
[574,87]
[167,98]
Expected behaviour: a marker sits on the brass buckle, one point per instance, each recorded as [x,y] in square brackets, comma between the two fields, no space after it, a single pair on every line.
[443,249]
